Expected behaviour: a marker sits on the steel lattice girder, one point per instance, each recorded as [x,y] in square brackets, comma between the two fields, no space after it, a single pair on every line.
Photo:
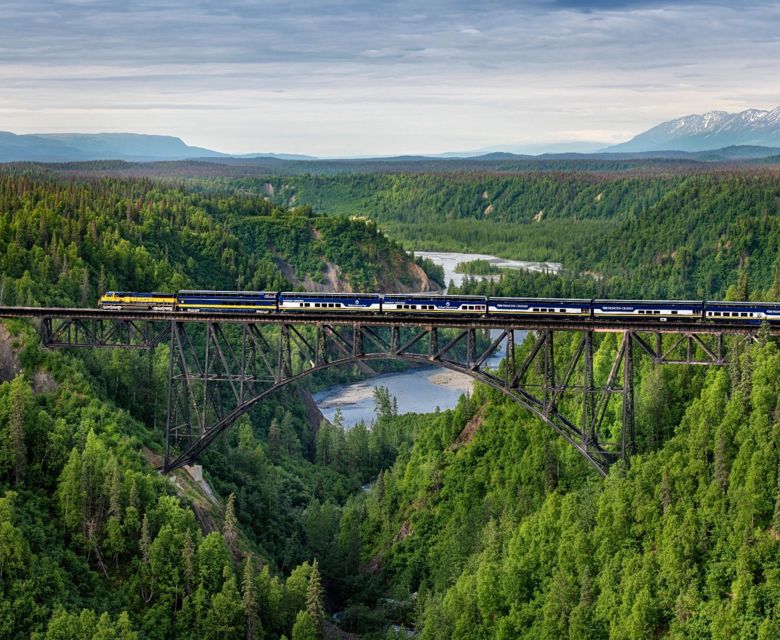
[219,375]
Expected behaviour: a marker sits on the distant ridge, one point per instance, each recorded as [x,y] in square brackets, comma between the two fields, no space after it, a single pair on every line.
[133,147]
[709,131]
[69,147]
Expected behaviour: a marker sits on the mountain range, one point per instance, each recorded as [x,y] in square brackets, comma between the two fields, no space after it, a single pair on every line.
[132,147]
[708,131]
[712,136]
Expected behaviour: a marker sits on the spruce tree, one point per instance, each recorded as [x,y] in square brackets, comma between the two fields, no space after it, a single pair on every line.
[776,516]
[187,557]
[145,539]
[229,529]
[314,596]
[252,624]
[16,428]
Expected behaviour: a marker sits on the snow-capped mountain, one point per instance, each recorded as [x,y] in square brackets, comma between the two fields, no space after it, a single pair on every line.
[712,130]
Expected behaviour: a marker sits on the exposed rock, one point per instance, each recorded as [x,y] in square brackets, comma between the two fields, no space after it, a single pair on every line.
[404,531]
[313,414]
[43,382]
[10,366]
[468,432]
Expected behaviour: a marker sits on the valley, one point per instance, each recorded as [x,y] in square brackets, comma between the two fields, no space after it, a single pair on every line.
[475,520]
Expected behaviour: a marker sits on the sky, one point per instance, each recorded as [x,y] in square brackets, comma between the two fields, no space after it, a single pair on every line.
[346,78]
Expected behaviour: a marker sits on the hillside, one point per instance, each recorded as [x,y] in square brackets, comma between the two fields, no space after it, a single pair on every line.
[472,523]
[503,533]
[657,235]
[94,540]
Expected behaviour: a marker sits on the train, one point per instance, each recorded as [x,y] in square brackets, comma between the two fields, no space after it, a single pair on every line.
[195,301]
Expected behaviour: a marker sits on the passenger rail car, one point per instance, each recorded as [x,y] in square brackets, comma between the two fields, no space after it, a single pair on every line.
[433,304]
[226,301]
[663,310]
[538,306]
[302,301]
[749,312]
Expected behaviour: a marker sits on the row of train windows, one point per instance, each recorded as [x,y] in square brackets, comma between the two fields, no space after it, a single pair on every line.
[654,312]
[547,310]
[473,307]
[731,314]
[423,307]
[322,305]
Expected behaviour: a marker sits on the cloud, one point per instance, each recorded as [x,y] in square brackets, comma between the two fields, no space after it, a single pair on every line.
[349,76]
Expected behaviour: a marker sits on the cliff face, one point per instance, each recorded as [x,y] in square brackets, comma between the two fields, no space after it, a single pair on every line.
[397,275]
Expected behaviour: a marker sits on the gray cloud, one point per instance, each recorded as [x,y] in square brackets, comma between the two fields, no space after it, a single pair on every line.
[358,77]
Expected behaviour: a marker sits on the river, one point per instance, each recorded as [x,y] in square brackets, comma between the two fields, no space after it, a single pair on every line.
[420,390]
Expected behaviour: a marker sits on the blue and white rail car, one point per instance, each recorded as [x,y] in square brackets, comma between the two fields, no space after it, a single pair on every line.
[663,310]
[433,304]
[333,302]
[538,306]
[748,312]
[226,301]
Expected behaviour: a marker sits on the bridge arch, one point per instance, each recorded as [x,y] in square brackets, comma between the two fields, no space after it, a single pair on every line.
[590,451]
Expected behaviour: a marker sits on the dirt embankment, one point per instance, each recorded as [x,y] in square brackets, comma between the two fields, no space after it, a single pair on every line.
[11,365]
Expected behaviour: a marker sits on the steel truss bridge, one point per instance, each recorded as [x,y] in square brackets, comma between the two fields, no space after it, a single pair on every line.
[221,365]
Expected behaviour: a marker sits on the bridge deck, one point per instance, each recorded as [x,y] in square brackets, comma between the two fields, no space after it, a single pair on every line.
[411,320]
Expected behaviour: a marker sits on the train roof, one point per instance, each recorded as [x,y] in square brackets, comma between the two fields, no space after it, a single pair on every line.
[728,303]
[224,293]
[139,293]
[552,300]
[691,302]
[435,296]
[330,294]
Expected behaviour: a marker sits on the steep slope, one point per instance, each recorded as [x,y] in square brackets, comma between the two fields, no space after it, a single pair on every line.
[94,542]
[509,536]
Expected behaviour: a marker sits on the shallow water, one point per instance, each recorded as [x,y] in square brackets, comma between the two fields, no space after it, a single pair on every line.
[449,261]
[417,391]
[420,390]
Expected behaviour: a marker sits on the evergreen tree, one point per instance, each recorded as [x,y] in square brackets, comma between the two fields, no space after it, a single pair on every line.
[13,550]
[338,418]
[314,596]
[274,440]
[229,529]
[249,600]
[188,564]
[145,539]
[665,491]
[16,426]
[721,462]
[776,515]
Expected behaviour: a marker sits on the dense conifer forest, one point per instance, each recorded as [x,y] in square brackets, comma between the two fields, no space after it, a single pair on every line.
[472,523]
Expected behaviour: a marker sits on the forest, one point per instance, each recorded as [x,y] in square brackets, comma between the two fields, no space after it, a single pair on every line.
[659,236]
[472,523]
